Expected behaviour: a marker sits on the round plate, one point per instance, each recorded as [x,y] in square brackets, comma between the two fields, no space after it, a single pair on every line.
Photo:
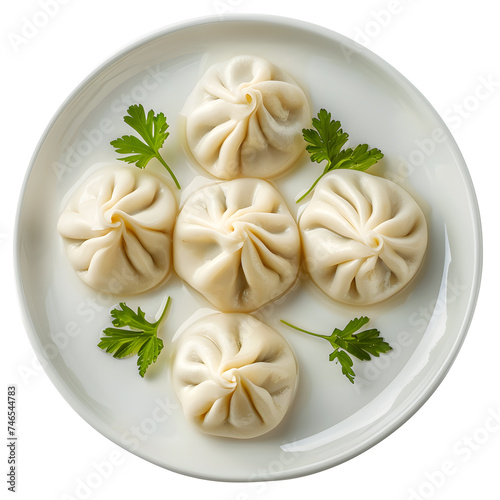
[330,420]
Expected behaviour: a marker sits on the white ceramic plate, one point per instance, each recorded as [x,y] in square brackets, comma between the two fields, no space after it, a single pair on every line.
[330,420]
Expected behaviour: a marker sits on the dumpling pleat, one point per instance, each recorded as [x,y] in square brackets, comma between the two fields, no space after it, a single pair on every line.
[117,229]
[363,236]
[234,375]
[237,244]
[245,118]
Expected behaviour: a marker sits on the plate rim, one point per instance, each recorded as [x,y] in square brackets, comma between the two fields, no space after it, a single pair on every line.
[296,24]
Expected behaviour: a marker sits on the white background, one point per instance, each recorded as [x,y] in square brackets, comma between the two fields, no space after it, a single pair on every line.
[451,447]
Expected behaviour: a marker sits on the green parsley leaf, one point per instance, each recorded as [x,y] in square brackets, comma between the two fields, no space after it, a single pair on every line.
[325,142]
[361,345]
[153,130]
[133,335]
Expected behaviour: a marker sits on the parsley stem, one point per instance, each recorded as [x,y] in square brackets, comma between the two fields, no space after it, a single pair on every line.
[312,187]
[164,163]
[164,311]
[302,330]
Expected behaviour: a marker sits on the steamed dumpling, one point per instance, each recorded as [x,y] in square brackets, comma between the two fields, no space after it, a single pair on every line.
[364,237]
[234,375]
[237,244]
[117,229]
[245,118]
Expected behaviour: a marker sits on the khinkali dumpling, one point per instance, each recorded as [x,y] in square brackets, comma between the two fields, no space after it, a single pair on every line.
[237,244]
[234,375]
[117,228]
[245,118]
[364,237]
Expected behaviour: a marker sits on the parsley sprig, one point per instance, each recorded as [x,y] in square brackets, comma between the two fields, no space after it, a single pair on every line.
[361,345]
[153,130]
[133,335]
[325,142]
